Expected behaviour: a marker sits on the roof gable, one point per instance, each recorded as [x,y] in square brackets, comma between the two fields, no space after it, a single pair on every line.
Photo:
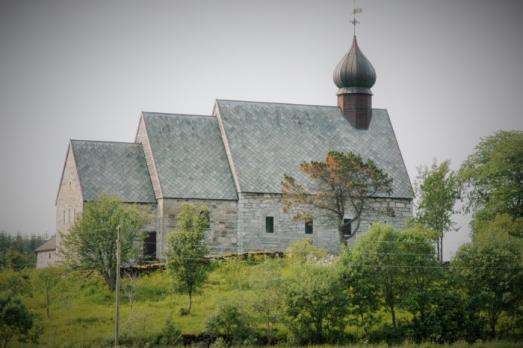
[190,156]
[49,245]
[268,140]
[112,168]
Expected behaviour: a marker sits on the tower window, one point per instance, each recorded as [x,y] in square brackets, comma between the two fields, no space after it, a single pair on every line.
[269,224]
[347,227]
[309,227]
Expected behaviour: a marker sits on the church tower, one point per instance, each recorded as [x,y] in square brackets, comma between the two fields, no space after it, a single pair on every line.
[354,76]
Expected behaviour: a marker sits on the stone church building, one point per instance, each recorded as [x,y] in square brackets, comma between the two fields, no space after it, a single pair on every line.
[234,160]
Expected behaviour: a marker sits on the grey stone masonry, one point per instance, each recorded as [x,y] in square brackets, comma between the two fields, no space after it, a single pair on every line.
[253,208]
[222,234]
[69,200]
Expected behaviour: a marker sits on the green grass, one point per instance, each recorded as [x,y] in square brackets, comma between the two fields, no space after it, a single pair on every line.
[82,308]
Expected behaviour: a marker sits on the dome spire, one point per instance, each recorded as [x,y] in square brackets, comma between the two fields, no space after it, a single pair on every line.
[354,76]
[354,21]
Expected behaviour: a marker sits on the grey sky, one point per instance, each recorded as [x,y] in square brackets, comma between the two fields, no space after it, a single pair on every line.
[449,72]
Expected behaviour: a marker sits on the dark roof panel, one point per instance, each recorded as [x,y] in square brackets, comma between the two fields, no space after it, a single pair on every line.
[49,245]
[190,156]
[268,140]
[113,168]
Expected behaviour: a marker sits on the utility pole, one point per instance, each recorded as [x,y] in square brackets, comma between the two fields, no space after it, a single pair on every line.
[117,309]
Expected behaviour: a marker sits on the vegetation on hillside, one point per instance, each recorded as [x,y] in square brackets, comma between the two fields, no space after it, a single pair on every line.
[389,287]
[17,252]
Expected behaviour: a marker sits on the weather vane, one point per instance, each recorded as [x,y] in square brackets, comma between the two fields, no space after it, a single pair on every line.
[355,11]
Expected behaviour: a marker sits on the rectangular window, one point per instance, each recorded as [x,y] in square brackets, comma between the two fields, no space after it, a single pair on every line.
[347,227]
[309,227]
[269,224]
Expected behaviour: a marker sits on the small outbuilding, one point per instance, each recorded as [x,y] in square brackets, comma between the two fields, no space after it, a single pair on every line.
[46,254]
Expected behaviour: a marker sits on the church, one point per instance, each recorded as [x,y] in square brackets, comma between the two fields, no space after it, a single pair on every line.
[233,162]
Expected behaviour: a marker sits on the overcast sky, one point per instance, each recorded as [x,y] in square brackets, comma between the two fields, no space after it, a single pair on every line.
[449,72]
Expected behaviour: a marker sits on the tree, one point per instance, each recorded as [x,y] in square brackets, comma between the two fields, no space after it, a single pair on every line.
[375,256]
[364,291]
[15,320]
[48,280]
[188,250]
[316,303]
[343,181]
[393,268]
[267,284]
[491,272]
[493,176]
[437,191]
[91,241]
[230,323]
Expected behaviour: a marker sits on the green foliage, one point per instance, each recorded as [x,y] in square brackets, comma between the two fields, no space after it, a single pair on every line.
[16,321]
[15,283]
[266,307]
[316,304]
[437,191]
[187,250]
[392,269]
[17,252]
[449,318]
[91,241]
[342,180]
[493,176]
[503,227]
[491,272]
[303,250]
[230,323]
[48,282]
[170,334]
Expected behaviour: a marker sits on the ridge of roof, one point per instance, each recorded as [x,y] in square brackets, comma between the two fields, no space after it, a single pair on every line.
[167,114]
[274,103]
[284,103]
[105,142]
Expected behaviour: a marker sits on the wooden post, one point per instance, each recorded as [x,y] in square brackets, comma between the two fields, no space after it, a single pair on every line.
[117,309]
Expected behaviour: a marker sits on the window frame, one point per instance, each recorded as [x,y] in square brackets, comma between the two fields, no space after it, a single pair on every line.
[309,226]
[267,224]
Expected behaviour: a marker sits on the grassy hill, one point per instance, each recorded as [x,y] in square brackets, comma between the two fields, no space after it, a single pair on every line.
[82,308]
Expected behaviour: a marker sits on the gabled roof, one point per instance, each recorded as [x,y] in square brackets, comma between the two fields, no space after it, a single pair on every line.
[113,168]
[190,156]
[50,245]
[268,140]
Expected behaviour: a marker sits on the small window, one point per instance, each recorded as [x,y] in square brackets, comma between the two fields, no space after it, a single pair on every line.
[269,224]
[309,227]
[206,215]
[347,227]
[49,255]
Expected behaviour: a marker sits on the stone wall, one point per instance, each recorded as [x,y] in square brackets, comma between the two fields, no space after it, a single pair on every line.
[69,202]
[46,258]
[142,138]
[222,235]
[253,208]
[392,211]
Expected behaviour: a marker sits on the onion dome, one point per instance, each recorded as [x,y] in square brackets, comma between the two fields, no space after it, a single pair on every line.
[354,73]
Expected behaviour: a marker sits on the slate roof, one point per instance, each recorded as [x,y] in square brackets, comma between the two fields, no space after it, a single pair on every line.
[47,246]
[190,156]
[268,140]
[113,168]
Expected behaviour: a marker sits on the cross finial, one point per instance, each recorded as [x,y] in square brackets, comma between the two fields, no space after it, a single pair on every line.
[355,11]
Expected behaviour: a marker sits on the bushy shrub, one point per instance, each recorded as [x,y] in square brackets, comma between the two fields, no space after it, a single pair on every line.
[231,324]
[16,321]
[448,320]
[316,304]
[303,250]
[170,334]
